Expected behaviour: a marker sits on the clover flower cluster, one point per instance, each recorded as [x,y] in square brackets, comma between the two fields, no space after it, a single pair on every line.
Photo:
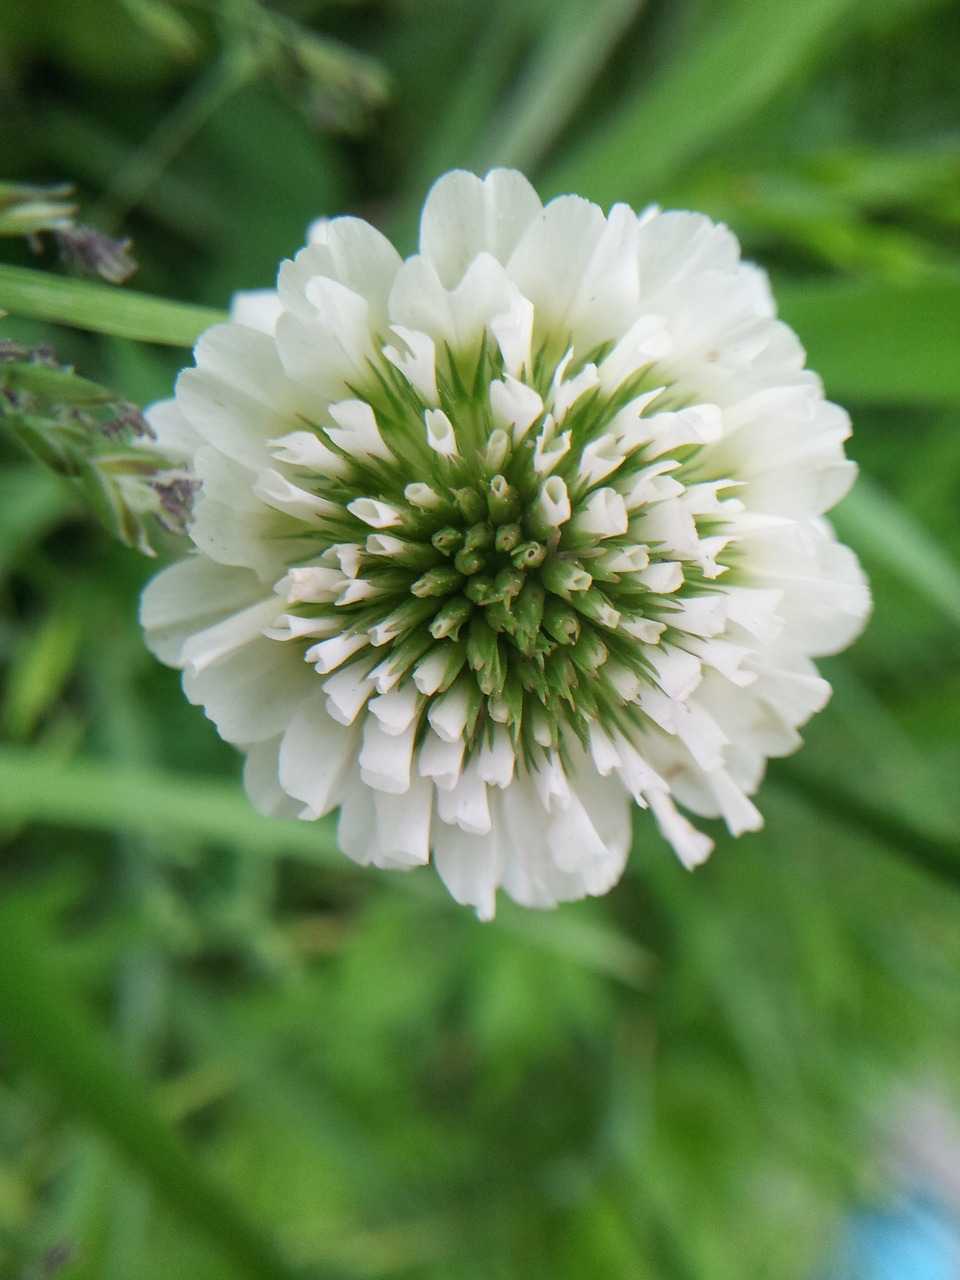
[498,541]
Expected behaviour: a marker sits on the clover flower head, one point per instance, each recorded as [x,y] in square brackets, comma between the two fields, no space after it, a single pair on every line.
[494,543]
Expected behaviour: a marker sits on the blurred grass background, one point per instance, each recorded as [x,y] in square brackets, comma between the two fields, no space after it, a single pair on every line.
[225,1051]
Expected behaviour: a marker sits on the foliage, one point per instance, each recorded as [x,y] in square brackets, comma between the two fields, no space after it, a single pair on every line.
[225,1050]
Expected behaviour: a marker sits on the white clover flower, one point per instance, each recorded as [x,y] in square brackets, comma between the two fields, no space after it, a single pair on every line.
[498,541]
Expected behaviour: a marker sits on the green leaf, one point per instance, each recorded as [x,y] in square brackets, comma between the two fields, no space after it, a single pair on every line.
[84,304]
[44,1024]
[831,798]
[31,501]
[94,794]
[574,46]
[884,531]
[705,91]
[880,340]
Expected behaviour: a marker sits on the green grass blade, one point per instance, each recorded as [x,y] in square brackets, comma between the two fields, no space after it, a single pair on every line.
[884,531]
[935,854]
[881,340]
[105,796]
[739,65]
[84,304]
[45,1026]
[573,48]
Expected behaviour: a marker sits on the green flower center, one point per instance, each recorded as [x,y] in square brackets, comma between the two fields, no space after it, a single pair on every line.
[505,559]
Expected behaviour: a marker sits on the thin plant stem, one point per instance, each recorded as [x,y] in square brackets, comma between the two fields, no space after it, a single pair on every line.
[233,69]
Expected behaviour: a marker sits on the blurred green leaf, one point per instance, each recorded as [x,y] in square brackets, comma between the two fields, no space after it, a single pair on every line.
[86,305]
[44,1024]
[166,25]
[885,532]
[91,794]
[706,90]
[938,855]
[31,500]
[40,668]
[880,340]
[572,50]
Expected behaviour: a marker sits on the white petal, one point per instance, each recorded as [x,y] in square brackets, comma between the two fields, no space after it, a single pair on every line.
[605,755]
[553,502]
[701,735]
[191,596]
[431,670]
[646,341]
[697,615]
[513,330]
[208,646]
[464,216]
[289,499]
[724,657]
[566,393]
[470,866]
[357,432]
[403,825]
[755,609]
[599,459]
[305,449]
[691,846]
[238,397]
[566,232]
[515,406]
[262,785]
[696,425]
[385,757]
[327,351]
[441,760]
[448,714]
[739,813]
[233,526]
[290,626]
[637,775]
[348,690]
[549,447]
[377,514]
[313,584]
[551,782]
[349,556]
[420,366]
[330,654]
[663,576]
[421,495]
[458,316]
[257,309]
[357,828]
[465,804]
[604,515]
[316,756]
[350,252]
[175,439]
[441,436]
[396,709]
[358,589]
[497,758]
[252,693]
[678,672]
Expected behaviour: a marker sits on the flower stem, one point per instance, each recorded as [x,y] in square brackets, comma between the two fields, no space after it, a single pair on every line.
[84,304]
